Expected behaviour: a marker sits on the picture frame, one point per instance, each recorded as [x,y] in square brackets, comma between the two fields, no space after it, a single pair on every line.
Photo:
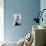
[17,19]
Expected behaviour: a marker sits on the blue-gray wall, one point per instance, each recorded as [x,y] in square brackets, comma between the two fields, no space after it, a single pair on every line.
[43,6]
[27,8]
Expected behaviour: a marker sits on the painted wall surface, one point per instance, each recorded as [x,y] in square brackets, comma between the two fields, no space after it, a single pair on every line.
[43,6]
[27,9]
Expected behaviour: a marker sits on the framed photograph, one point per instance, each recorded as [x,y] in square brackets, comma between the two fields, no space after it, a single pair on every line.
[17,19]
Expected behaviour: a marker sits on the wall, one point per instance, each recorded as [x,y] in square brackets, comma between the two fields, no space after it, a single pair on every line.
[43,6]
[25,7]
